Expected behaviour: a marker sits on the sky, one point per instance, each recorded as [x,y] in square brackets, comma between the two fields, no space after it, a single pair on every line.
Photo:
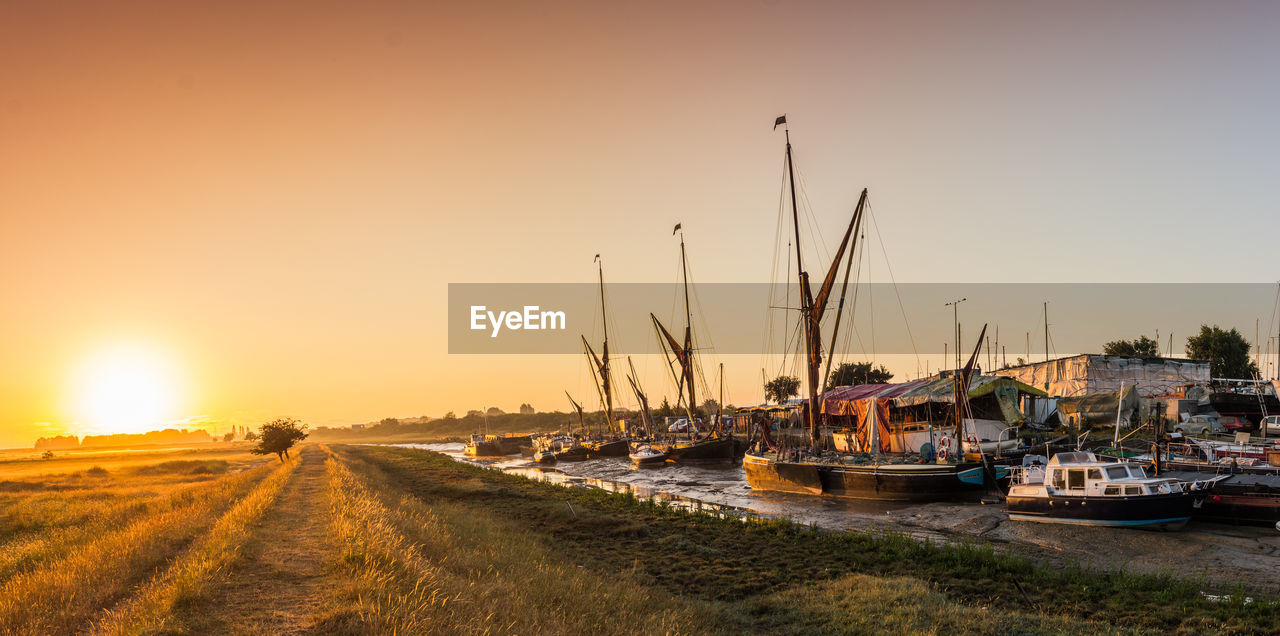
[264,203]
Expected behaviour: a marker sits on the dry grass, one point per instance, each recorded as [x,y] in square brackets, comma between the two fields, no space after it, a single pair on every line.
[150,609]
[413,568]
[56,579]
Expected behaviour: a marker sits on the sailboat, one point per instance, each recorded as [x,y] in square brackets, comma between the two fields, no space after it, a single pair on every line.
[716,445]
[769,467]
[561,448]
[644,453]
[610,444]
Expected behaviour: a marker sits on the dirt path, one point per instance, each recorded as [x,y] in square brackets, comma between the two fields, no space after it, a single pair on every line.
[276,585]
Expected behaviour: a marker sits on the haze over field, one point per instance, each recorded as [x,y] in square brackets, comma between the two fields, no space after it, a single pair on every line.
[218,213]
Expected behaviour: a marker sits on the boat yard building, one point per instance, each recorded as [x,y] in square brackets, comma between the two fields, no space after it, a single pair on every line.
[1087,374]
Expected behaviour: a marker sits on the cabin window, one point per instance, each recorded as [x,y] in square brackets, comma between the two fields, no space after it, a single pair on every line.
[1138,472]
[1075,479]
[1059,481]
[1117,472]
[1111,490]
[1133,490]
[1095,474]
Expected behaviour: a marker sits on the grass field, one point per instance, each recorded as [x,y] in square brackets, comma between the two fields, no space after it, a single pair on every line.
[358,539]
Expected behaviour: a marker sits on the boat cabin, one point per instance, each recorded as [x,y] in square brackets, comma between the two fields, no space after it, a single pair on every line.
[1082,474]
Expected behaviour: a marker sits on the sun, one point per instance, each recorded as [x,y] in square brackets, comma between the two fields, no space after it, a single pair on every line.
[125,390]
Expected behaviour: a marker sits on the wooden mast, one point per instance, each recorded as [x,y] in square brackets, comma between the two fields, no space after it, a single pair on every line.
[604,352]
[811,307]
[577,407]
[812,354]
[835,327]
[688,334]
[646,417]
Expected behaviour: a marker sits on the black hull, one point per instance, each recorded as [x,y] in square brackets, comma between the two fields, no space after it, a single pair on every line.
[717,450]
[614,448]
[572,455]
[1243,405]
[1240,508]
[1164,512]
[884,482]
[513,445]
[936,482]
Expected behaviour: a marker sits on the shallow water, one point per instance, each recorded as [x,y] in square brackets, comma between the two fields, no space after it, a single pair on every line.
[718,489]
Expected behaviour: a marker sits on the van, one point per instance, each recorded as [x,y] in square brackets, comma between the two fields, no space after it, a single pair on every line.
[1271,425]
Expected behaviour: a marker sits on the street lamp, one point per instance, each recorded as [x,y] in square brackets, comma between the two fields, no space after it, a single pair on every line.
[955,317]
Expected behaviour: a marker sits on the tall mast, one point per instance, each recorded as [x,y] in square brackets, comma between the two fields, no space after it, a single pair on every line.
[720,404]
[812,348]
[835,328]
[604,352]
[688,329]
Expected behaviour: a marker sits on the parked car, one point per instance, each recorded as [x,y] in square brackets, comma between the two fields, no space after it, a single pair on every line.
[679,426]
[1199,425]
[1272,424]
[1232,424]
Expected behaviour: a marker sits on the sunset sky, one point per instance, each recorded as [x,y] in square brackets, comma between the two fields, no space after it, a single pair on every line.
[262,204]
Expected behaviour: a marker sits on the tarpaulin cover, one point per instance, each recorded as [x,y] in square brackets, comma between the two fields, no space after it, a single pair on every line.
[1099,407]
[840,400]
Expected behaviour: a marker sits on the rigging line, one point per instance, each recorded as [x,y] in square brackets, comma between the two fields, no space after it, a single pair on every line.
[779,224]
[811,221]
[871,307]
[893,280]
[847,338]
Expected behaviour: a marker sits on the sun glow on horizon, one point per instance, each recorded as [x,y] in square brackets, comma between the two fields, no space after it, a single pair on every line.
[125,389]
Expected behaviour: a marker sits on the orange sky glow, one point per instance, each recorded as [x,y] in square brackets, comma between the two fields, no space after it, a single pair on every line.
[270,199]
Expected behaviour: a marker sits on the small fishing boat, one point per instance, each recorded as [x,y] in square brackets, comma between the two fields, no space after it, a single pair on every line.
[1078,488]
[647,456]
[561,448]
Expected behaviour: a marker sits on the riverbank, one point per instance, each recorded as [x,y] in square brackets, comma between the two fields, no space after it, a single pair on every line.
[777,576]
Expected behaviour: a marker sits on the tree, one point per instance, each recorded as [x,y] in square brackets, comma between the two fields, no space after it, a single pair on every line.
[229,437]
[526,409]
[710,407]
[250,436]
[781,388]
[278,436]
[1226,351]
[46,455]
[493,411]
[849,373]
[1141,347]
[475,413]
[665,409]
[450,416]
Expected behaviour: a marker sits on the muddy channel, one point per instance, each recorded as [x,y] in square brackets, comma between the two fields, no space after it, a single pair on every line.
[1221,553]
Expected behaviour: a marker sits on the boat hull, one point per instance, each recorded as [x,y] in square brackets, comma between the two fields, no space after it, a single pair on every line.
[571,455]
[769,475]
[881,482]
[612,448]
[484,449]
[649,461]
[1162,512]
[905,482]
[715,450]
